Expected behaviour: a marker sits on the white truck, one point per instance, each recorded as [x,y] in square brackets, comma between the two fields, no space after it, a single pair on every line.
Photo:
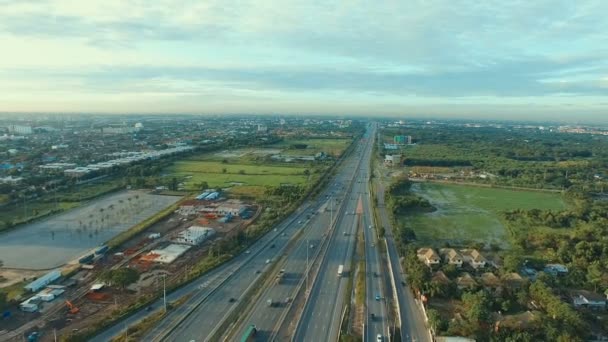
[340,270]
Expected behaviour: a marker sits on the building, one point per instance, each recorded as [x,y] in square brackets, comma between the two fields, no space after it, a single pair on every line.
[43,281]
[490,281]
[428,256]
[440,278]
[11,180]
[588,300]
[20,129]
[466,282]
[402,139]
[194,235]
[234,209]
[513,280]
[451,256]
[473,258]
[391,146]
[392,160]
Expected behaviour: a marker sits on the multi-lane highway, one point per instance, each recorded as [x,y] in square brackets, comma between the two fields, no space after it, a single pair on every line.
[320,320]
[211,294]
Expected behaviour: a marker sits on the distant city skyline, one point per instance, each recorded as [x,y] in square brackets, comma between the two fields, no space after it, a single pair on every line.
[520,60]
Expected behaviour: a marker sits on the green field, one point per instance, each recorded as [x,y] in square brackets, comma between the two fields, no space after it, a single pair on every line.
[250,177]
[330,146]
[469,213]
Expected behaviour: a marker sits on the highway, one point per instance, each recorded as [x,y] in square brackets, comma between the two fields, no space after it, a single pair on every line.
[200,322]
[209,302]
[320,320]
[413,326]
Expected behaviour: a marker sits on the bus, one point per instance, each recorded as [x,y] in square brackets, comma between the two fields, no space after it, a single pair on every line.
[249,334]
[340,270]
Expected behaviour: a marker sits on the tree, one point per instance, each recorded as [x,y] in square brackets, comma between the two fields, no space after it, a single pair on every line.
[3,300]
[121,277]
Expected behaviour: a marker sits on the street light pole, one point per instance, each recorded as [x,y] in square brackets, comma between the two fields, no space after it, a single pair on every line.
[164,292]
[307,246]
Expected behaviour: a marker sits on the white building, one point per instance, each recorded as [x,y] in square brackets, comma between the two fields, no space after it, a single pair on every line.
[194,235]
[392,159]
[20,129]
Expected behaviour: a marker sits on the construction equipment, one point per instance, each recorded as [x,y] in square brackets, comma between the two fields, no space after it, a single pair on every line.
[71,307]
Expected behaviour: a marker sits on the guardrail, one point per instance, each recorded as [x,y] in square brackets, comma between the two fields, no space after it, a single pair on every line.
[340,215]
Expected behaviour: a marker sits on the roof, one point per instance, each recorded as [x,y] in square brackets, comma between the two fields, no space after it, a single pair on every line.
[465,280]
[450,253]
[591,296]
[489,279]
[427,253]
[440,277]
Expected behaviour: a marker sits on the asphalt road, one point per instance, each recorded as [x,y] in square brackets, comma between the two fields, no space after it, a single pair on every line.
[323,311]
[413,326]
[209,303]
[201,321]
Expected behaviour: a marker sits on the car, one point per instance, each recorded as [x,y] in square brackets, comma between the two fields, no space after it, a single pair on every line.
[376,274]
[247,252]
[379,338]
[344,233]
[232,300]
[275,229]
[370,226]
[268,261]
[272,246]
[312,246]
[378,297]
[149,308]
[283,234]
[403,283]
[373,316]
[300,222]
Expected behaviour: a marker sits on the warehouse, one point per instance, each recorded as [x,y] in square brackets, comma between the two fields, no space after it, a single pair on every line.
[194,235]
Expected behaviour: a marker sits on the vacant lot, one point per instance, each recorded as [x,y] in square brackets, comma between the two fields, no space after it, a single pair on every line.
[468,213]
[333,147]
[251,177]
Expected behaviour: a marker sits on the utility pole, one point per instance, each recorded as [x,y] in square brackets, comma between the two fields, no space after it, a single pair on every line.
[164,292]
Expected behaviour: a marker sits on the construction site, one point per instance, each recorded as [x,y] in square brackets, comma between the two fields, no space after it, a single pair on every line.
[89,290]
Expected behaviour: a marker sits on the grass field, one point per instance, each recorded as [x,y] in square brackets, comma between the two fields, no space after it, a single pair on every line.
[330,146]
[246,179]
[468,213]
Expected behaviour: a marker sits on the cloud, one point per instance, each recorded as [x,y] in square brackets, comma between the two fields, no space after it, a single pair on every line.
[392,52]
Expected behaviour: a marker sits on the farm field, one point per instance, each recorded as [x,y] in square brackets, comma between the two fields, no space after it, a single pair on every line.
[468,213]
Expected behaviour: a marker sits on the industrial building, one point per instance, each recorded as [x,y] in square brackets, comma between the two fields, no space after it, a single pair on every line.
[392,159]
[194,235]
[43,281]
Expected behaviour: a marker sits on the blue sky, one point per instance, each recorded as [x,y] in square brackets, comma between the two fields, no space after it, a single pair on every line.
[507,59]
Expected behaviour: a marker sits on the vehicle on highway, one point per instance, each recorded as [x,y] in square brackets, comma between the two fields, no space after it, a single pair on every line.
[232,300]
[376,274]
[340,270]
[344,233]
[373,316]
[249,334]
[378,297]
[269,302]
[379,338]
[370,226]
[300,222]
[247,251]
[268,261]
[272,246]
[312,246]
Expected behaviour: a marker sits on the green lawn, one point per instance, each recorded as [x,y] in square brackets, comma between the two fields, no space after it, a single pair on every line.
[468,213]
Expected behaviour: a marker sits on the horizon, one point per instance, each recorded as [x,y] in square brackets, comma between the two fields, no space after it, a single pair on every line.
[490,61]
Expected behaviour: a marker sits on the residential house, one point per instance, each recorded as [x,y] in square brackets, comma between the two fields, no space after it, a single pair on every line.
[490,281]
[440,278]
[466,281]
[428,256]
[556,269]
[451,256]
[473,258]
[588,299]
[513,280]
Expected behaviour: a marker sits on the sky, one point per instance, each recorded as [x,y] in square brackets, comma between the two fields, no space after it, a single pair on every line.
[493,59]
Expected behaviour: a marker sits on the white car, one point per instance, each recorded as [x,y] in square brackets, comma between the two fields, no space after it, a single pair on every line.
[379,338]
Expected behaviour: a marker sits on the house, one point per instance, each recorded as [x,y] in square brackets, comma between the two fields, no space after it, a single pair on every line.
[556,269]
[473,258]
[588,299]
[465,281]
[451,256]
[440,278]
[490,281]
[513,280]
[428,256]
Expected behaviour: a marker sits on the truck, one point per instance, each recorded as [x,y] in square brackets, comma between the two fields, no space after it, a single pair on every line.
[340,270]
[249,334]
[269,302]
